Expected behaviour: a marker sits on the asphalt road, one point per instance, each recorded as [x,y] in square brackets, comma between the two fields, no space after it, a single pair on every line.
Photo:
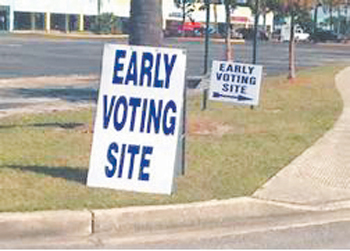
[36,55]
[324,236]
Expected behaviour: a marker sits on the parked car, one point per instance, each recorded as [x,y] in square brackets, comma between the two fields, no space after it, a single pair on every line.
[276,35]
[248,33]
[326,35]
[235,34]
[191,29]
[300,35]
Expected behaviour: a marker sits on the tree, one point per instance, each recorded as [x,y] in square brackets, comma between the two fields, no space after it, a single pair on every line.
[146,22]
[107,23]
[187,7]
[266,6]
[293,9]
[215,9]
[229,6]
[330,6]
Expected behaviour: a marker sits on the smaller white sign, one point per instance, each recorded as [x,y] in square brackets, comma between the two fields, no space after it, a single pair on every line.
[235,82]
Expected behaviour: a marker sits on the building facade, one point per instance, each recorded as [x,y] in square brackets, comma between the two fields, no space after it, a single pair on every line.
[46,14]
[77,15]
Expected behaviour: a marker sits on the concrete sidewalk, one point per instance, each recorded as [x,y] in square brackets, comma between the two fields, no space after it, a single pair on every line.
[322,173]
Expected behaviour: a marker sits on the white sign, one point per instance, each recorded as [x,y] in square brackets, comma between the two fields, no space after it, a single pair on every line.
[235,82]
[139,119]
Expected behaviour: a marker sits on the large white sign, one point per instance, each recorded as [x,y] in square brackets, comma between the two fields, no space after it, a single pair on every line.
[139,119]
[235,82]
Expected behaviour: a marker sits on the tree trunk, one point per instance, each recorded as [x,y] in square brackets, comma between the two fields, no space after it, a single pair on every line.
[146,22]
[291,74]
[228,48]
[215,8]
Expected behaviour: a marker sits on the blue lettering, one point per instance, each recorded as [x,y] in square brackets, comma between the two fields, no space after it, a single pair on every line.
[252,81]
[153,116]
[244,80]
[171,129]
[157,83]
[225,87]
[133,150]
[222,67]
[112,160]
[118,66]
[143,117]
[226,77]
[134,102]
[251,69]
[121,102]
[145,162]
[218,76]
[107,115]
[169,68]
[146,70]
[121,162]
[237,68]
[132,70]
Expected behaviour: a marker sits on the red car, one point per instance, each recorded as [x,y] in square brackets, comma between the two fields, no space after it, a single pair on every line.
[190,28]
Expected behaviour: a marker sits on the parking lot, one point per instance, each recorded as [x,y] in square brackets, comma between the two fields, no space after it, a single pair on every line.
[24,55]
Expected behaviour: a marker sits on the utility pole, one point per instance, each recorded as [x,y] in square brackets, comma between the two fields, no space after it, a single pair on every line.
[315,17]
[206,49]
[206,53]
[256,20]
[183,17]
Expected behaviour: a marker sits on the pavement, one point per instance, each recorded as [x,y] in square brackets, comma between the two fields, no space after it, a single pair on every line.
[322,173]
[46,94]
[317,182]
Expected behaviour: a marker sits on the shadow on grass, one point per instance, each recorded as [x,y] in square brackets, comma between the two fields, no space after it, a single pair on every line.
[69,125]
[66,93]
[72,174]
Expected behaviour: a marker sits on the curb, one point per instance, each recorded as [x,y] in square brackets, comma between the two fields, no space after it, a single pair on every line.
[70,35]
[44,224]
[147,219]
[244,211]
[202,39]
[120,36]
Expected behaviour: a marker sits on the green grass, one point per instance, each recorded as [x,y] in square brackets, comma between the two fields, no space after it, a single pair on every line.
[231,150]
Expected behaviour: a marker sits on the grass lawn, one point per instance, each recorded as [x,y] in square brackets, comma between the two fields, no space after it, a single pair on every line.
[231,150]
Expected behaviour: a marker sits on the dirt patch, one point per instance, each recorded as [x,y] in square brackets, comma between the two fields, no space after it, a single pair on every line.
[204,126]
[298,81]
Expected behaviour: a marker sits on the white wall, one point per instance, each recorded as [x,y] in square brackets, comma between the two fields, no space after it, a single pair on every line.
[87,7]
[120,8]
